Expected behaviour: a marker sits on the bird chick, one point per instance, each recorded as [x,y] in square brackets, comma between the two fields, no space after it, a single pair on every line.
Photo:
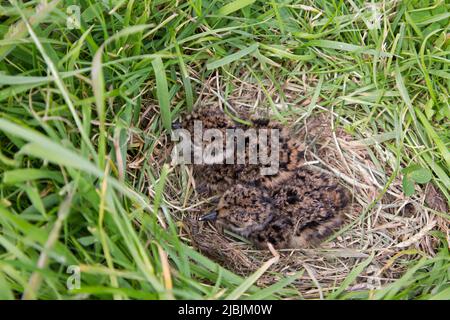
[296,207]
[219,177]
[289,216]
[211,118]
[314,202]
[248,212]
[244,210]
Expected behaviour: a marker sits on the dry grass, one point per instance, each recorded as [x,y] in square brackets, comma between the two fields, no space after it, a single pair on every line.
[383,225]
[85,112]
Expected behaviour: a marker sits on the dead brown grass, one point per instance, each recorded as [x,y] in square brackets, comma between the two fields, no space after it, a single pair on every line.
[382,225]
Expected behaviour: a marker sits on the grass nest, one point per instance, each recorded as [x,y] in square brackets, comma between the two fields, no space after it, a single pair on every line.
[384,232]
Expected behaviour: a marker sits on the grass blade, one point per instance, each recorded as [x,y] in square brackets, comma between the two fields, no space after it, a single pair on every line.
[233,7]
[162,93]
[247,283]
[232,57]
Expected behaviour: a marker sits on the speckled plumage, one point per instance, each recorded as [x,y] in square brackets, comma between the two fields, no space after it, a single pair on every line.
[296,213]
[297,207]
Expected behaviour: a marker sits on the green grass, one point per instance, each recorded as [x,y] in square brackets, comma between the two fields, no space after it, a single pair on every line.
[71,98]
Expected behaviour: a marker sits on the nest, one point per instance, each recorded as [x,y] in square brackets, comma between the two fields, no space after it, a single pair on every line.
[381,224]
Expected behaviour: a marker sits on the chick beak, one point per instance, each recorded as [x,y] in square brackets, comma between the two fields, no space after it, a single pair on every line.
[176,125]
[209,216]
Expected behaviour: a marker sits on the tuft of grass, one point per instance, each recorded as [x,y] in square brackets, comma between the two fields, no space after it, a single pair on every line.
[83,112]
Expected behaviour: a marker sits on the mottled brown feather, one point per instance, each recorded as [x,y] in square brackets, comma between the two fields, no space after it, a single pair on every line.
[297,207]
